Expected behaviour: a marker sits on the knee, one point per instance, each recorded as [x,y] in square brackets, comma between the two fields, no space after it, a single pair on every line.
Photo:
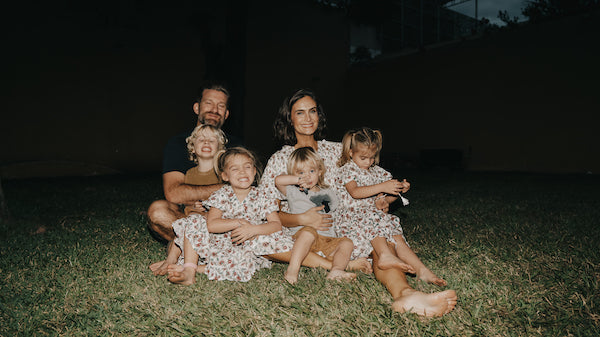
[157,210]
[346,243]
[307,235]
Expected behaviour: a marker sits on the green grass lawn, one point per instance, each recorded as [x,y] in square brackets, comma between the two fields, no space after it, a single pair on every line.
[521,250]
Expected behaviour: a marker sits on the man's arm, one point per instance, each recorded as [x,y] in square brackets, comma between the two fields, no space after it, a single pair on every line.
[178,192]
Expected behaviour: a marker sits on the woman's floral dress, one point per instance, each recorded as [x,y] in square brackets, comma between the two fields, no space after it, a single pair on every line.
[223,259]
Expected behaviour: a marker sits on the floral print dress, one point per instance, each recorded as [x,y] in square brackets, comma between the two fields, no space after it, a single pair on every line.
[330,153]
[359,219]
[223,259]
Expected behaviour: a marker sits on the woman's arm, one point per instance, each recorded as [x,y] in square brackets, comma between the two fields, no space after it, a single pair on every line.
[310,218]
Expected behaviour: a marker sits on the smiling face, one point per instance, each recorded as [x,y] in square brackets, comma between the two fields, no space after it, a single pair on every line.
[304,116]
[239,171]
[212,108]
[206,144]
[363,156]
[309,174]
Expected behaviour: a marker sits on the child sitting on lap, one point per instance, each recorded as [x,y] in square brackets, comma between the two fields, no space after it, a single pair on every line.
[367,190]
[305,188]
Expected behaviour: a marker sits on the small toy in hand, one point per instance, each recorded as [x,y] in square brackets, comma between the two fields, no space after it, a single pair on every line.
[321,199]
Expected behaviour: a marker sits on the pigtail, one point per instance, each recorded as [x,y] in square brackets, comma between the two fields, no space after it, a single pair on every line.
[346,147]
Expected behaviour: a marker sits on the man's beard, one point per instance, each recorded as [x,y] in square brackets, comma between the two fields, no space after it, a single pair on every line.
[211,121]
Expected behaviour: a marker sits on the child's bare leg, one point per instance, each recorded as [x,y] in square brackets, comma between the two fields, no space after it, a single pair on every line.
[160,267]
[360,264]
[341,257]
[407,299]
[311,260]
[302,245]
[387,258]
[185,275]
[423,273]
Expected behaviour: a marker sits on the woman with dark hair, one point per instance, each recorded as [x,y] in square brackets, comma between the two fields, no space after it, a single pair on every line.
[300,122]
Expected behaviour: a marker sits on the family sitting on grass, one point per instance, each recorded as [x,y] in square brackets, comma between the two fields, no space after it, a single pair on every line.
[318,204]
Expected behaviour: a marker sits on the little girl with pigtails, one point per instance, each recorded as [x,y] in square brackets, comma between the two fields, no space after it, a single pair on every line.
[366,192]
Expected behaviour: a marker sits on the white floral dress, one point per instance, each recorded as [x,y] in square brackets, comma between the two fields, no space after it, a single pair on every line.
[223,259]
[359,219]
[330,152]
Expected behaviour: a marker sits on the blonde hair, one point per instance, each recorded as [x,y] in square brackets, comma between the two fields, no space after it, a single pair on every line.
[307,155]
[363,136]
[200,129]
[222,157]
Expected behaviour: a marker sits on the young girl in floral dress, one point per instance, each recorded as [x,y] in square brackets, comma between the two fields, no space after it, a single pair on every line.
[367,190]
[242,226]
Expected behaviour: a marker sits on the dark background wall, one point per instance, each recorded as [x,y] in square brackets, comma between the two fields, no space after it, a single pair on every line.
[99,89]
[524,99]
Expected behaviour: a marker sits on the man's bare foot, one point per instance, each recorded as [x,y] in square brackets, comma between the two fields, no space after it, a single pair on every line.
[387,261]
[180,275]
[428,276]
[290,277]
[340,275]
[429,305]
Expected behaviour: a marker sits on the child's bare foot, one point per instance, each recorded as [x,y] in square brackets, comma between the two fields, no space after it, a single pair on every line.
[387,261]
[340,275]
[429,305]
[181,275]
[428,276]
[360,264]
[159,268]
[290,277]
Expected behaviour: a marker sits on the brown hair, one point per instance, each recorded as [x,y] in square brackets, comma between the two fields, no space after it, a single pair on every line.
[223,156]
[364,136]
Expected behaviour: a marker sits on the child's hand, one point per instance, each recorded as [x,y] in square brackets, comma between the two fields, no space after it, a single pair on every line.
[405,186]
[244,232]
[392,186]
[381,203]
[303,184]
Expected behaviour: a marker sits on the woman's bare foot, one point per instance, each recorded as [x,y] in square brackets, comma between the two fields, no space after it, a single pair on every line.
[360,264]
[428,276]
[180,275]
[429,305]
[340,275]
[387,261]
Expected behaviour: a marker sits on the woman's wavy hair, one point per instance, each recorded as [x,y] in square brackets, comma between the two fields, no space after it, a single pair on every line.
[307,156]
[199,130]
[223,156]
[363,136]
[283,128]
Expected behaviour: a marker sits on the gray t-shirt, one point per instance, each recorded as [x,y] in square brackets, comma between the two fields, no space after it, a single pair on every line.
[300,202]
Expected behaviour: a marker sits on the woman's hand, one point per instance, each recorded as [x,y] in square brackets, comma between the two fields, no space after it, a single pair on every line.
[244,232]
[381,203]
[319,221]
[393,187]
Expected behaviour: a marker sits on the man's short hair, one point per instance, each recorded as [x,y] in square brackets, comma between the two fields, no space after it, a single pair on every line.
[213,85]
